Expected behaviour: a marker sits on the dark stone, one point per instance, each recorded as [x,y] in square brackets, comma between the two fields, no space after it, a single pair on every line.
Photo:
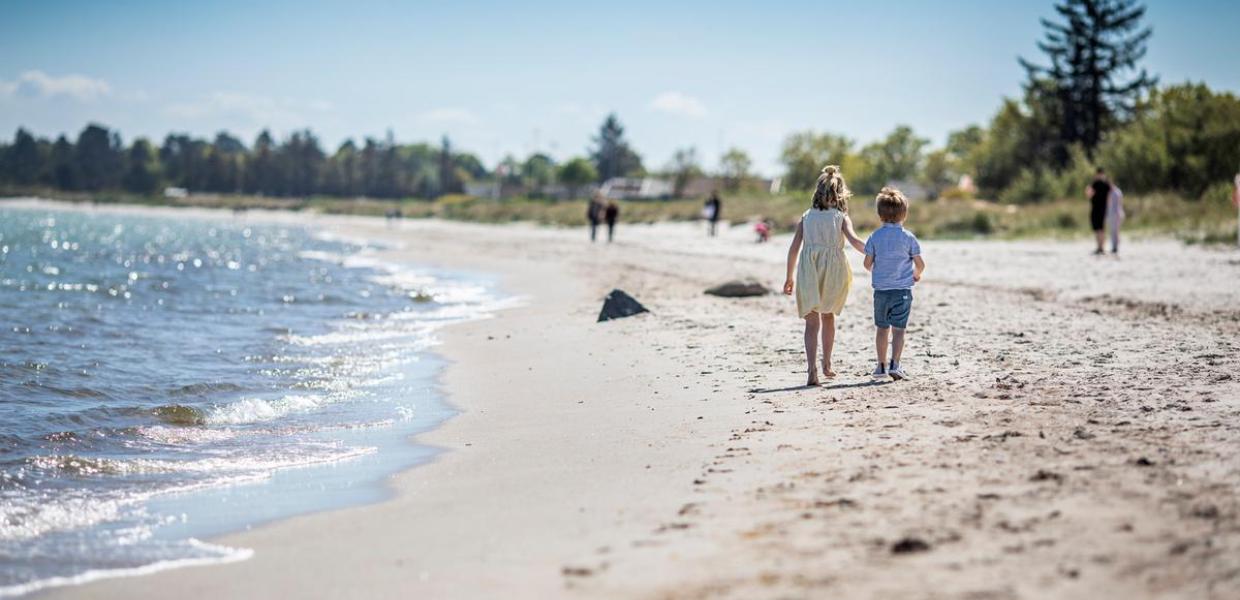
[618,305]
[739,289]
[909,545]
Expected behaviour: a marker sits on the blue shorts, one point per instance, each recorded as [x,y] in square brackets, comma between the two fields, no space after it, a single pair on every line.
[891,308]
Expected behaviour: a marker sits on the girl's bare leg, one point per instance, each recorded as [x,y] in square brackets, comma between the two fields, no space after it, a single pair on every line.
[811,346]
[828,342]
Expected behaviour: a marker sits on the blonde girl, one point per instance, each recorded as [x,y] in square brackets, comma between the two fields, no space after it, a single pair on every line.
[822,275]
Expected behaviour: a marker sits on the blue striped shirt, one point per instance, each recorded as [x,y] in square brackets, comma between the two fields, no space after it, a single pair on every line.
[893,248]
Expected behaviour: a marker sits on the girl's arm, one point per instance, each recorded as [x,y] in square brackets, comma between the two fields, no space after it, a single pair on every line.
[851,235]
[793,250]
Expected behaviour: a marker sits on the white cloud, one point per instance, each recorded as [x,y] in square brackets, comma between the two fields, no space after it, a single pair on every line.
[37,84]
[677,103]
[449,116]
[252,109]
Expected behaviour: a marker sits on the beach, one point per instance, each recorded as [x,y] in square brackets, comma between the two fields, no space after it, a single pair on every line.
[1070,430]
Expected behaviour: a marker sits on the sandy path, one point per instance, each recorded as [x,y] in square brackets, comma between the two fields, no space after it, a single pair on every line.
[1072,431]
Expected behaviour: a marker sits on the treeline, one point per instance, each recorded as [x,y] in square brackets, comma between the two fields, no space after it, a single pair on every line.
[295,166]
[1092,105]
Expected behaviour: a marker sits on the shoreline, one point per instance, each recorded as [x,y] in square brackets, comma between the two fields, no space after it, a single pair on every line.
[207,521]
[675,455]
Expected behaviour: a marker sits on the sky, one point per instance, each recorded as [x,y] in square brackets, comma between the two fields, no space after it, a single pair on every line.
[504,78]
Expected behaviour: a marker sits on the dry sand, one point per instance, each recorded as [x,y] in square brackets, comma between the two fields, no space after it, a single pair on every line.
[1072,430]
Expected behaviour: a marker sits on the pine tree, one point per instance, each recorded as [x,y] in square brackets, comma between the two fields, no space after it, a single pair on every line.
[612,155]
[1092,55]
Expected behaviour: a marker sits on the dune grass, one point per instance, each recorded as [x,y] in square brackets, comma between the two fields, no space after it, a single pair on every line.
[1209,220]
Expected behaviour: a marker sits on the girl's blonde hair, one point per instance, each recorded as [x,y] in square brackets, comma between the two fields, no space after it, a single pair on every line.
[832,191]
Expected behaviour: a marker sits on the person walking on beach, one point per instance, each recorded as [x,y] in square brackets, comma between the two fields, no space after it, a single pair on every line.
[817,268]
[611,214]
[893,257]
[594,213]
[1099,194]
[1115,215]
[713,210]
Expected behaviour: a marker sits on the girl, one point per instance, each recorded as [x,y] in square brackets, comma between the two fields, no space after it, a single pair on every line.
[823,277]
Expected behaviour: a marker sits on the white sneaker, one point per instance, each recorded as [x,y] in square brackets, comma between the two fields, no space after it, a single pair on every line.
[897,372]
[880,373]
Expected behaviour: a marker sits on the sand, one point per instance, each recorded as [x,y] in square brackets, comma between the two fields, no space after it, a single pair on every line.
[1072,430]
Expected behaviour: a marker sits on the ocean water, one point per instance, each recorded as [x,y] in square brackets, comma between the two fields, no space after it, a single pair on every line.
[164,380]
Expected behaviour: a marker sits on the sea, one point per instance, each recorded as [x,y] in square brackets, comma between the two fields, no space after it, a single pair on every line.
[166,379]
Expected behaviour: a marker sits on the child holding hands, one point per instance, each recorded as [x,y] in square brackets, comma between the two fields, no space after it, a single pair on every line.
[822,275]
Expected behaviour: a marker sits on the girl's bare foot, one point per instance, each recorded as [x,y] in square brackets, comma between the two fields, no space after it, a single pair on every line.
[826,370]
[813,379]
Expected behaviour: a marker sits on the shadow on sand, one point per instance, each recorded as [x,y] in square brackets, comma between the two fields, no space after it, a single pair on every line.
[837,386]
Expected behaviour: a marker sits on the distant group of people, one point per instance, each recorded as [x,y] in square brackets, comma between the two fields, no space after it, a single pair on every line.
[1106,211]
[602,210]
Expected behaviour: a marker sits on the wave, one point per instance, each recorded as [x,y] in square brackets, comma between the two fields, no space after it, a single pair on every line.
[255,410]
[215,555]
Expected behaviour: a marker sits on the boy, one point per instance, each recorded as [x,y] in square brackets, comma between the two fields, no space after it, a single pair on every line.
[893,257]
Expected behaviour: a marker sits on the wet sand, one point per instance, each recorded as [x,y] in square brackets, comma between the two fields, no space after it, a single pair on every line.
[1072,430]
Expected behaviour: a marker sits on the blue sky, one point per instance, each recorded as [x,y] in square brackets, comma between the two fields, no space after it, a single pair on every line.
[515,77]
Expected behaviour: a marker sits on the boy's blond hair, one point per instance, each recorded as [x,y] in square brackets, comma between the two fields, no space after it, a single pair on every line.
[892,205]
[831,191]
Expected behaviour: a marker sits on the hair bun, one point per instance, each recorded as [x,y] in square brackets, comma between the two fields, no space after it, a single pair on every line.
[830,170]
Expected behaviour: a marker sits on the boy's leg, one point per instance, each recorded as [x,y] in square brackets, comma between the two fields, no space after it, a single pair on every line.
[897,344]
[828,341]
[880,344]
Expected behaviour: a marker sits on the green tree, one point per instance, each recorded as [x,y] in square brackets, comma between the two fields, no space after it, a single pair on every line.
[577,173]
[538,171]
[22,163]
[1092,54]
[264,175]
[895,158]
[63,166]
[734,165]
[183,160]
[142,175]
[611,153]
[99,158]
[225,166]
[1185,138]
[805,153]
[683,168]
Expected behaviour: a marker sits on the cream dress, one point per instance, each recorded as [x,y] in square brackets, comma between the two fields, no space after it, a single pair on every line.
[823,275]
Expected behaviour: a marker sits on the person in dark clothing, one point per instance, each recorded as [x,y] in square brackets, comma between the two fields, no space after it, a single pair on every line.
[1099,192]
[713,211]
[594,213]
[611,214]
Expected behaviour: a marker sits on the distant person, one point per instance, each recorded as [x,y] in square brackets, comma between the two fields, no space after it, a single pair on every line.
[611,214]
[1115,215]
[594,213]
[1099,194]
[893,257]
[763,229]
[823,277]
[713,211]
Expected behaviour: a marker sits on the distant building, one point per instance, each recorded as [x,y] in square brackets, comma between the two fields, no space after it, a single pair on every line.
[637,188]
[911,189]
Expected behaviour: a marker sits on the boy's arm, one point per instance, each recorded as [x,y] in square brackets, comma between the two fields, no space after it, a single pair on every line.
[919,265]
[793,250]
[869,262]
